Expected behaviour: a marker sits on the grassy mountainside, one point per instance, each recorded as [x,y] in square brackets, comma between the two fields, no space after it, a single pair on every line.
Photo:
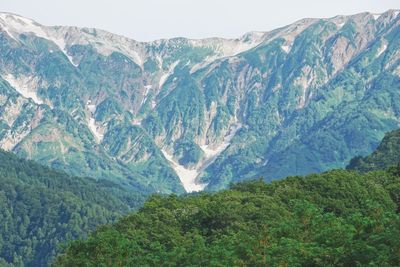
[386,155]
[40,208]
[338,218]
[297,100]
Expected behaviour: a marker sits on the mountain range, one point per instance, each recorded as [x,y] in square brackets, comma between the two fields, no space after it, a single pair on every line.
[181,115]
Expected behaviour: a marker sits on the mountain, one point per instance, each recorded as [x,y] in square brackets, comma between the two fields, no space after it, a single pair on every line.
[182,115]
[338,218]
[386,155]
[41,208]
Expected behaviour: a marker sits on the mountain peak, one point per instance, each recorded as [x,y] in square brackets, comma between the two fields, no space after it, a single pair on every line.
[205,102]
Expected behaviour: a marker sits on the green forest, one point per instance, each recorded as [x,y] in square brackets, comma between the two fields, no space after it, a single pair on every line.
[337,218]
[41,208]
[385,155]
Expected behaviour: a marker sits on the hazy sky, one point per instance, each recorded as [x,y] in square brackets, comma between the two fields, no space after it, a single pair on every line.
[145,20]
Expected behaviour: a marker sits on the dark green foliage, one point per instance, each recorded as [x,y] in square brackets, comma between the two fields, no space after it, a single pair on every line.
[386,155]
[338,218]
[41,208]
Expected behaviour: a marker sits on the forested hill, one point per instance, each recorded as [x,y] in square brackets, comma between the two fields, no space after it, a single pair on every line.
[338,218]
[386,155]
[40,207]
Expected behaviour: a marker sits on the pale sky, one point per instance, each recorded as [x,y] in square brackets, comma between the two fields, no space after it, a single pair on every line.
[146,20]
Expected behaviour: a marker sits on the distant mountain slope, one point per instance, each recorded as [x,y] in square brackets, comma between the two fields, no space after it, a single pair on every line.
[40,208]
[386,155]
[338,218]
[186,115]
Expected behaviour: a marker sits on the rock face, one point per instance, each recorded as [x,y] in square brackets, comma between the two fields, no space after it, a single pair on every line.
[186,115]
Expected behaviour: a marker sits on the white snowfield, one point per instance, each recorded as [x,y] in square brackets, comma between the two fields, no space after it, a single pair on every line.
[189,177]
[92,122]
[285,48]
[382,48]
[15,25]
[212,153]
[376,16]
[92,126]
[26,86]
[165,75]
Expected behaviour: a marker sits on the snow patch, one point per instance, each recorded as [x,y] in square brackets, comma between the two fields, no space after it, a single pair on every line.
[265,162]
[376,16]
[20,24]
[340,25]
[25,85]
[159,60]
[136,58]
[187,176]
[91,108]
[381,49]
[230,47]
[165,76]
[137,122]
[146,92]
[304,80]
[285,48]
[17,24]
[92,122]
[153,104]
[92,126]
[212,153]
[107,43]
[7,31]
[63,47]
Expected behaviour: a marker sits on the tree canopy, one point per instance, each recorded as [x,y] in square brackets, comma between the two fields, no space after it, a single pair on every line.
[338,218]
[41,208]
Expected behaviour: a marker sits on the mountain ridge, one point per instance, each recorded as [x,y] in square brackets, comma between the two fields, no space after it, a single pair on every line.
[119,110]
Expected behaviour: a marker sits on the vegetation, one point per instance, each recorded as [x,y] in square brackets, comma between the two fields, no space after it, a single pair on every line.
[306,105]
[386,155]
[338,218]
[41,208]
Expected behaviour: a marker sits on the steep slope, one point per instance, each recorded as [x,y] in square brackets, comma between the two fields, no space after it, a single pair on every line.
[40,208]
[314,108]
[386,155]
[185,115]
[93,88]
[337,218]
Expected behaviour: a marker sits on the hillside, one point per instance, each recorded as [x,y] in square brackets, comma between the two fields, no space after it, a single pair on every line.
[41,208]
[180,115]
[386,155]
[338,218]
